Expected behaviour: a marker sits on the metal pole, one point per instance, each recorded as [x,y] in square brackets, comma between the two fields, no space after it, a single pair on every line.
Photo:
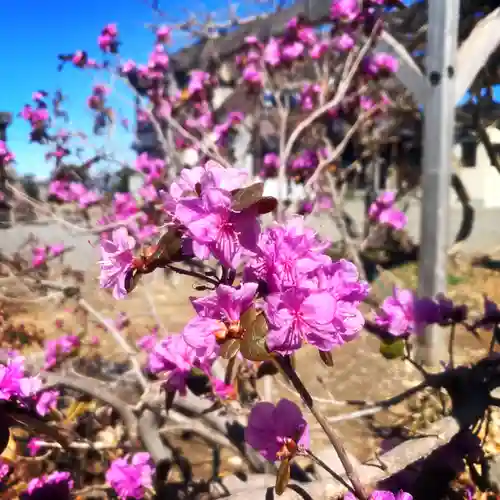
[439,125]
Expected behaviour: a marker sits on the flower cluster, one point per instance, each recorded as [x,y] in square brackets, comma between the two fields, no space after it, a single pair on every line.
[153,168]
[73,192]
[384,211]
[201,201]
[175,359]
[131,476]
[59,348]
[383,495]
[402,312]
[5,155]
[310,298]
[108,39]
[26,390]
[41,254]
[55,485]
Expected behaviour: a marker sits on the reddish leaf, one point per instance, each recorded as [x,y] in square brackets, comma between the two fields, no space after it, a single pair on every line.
[282,477]
[253,344]
[246,197]
[230,348]
[266,205]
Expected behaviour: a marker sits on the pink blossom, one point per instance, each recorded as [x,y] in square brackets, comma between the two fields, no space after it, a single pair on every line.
[116,261]
[47,401]
[88,199]
[297,316]
[292,51]
[163,34]
[175,358]
[57,348]
[29,386]
[343,42]
[286,253]
[271,53]
[131,476]
[216,311]
[397,313]
[223,390]
[394,218]
[318,50]
[252,74]
[277,432]
[39,257]
[55,485]
[382,495]
[382,62]
[33,446]
[383,211]
[345,10]
[210,222]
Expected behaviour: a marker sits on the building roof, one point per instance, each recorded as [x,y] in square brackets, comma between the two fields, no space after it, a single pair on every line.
[405,23]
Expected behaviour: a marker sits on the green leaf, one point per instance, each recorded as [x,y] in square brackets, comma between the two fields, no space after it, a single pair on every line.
[454,280]
[392,349]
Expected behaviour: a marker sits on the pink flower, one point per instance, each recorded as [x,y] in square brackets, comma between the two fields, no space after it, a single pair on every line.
[343,42]
[382,64]
[271,53]
[13,382]
[394,218]
[345,10]
[174,357]
[297,316]
[216,312]
[397,313]
[57,249]
[382,495]
[29,386]
[226,303]
[57,485]
[163,34]
[33,446]
[382,210]
[212,224]
[277,432]
[47,401]
[318,50]
[286,253]
[201,334]
[223,390]
[292,51]
[252,74]
[58,348]
[131,476]
[4,469]
[39,257]
[88,199]
[116,261]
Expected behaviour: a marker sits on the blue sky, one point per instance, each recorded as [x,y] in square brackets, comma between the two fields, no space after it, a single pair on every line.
[34,32]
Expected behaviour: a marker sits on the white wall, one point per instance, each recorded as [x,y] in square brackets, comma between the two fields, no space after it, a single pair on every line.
[482,181]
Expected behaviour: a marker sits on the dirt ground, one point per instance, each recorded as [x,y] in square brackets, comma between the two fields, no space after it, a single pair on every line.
[360,372]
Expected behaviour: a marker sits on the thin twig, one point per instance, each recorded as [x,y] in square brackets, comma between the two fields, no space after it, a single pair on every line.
[323,422]
[120,340]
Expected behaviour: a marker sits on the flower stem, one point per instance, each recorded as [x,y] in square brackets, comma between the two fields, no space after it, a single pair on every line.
[322,421]
[194,274]
[328,469]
